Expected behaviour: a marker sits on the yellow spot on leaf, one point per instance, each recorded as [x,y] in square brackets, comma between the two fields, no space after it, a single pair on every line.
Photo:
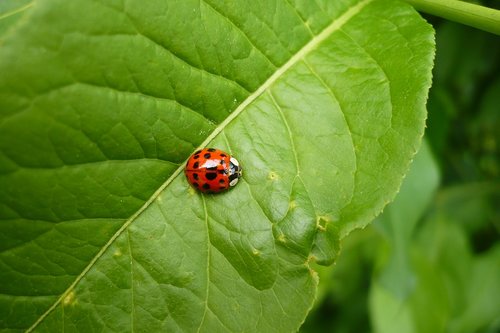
[322,222]
[69,299]
[282,238]
[273,175]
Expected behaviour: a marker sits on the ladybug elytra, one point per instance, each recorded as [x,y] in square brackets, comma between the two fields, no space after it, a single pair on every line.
[211,170]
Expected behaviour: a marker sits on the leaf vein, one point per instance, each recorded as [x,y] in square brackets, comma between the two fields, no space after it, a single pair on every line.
[165,48]
[183,107]
[16,11]
[368,54]
[241,31]
[349,126]
[302,19]
[289,131]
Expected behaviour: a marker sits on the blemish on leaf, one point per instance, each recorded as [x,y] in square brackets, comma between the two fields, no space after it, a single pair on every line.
[282,238]
[117,253]
[314,274]
[191,191]
[293,204]
[69,299]
[322,222]
[273,175]
[312,258]
[256,252]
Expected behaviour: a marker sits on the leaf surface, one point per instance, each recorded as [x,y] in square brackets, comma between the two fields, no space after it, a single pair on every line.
[11,11]
[101,102]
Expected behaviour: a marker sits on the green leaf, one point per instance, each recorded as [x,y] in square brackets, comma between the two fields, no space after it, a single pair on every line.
[461,223]
[400,218]
[101,102]
[465,56]
[341,304]
[429,279]
[452,290]
[11,11]
[403,279]
[426,310]
[480,310]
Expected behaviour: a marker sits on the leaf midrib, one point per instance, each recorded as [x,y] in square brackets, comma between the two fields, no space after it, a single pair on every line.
[310,46]
[16,11]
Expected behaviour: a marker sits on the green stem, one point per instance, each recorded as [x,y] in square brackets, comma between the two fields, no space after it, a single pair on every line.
[476,16]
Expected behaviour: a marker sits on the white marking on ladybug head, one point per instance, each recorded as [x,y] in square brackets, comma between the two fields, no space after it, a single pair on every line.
[234,182]
[234,161]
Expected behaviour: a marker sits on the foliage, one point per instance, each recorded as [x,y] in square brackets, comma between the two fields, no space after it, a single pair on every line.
[101,102]
[323,102]
[431,262]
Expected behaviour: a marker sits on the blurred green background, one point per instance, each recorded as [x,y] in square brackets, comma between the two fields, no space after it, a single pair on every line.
[431,261]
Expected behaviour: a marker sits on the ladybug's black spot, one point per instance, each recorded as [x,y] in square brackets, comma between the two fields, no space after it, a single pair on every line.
[195,176]
[195,165]
[197,152]
[196,184]
[211,149]
[222,172]
[222,162]
[196,157]
[211,175]
[206,186]
[223,155]
[212,168]
[222,181]
[207,155]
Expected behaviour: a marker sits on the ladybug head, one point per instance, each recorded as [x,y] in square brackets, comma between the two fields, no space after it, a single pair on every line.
[234,171]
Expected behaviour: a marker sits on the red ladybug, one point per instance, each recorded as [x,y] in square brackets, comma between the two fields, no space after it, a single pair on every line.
[212,170]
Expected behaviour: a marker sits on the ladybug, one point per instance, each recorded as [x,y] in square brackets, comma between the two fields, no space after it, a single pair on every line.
[211,170]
